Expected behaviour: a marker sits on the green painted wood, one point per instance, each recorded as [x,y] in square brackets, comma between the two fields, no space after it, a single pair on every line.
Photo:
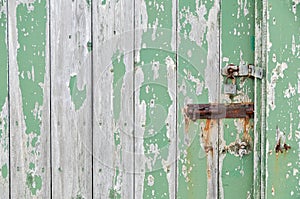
[259,99]
[29,99]
[71,99]
[4,117]
[197,82]
[155,99]
[238,46]
[109,122]
[283,88]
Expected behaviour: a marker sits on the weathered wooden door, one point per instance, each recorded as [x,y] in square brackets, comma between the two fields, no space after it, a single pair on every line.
[93,96]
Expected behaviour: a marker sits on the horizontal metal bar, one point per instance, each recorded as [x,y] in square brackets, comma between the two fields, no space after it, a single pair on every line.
[219,111]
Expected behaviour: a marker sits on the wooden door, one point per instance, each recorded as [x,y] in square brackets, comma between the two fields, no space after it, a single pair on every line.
[93,94]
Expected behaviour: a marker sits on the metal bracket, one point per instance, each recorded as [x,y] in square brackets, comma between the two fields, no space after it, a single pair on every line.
[243,70]
[219,111]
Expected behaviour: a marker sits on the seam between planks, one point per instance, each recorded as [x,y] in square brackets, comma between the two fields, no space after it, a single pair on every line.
[219,93]
[92,95]
[50,100]
[176,99]
[133,93]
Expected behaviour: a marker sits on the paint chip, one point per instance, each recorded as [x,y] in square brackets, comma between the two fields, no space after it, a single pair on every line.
[150,180]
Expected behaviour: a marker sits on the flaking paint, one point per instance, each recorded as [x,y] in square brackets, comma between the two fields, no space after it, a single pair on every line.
[4,119]
[78,95]
[282,180]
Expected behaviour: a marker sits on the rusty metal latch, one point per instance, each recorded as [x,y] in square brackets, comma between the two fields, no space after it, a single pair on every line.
[219,111]
[243,70]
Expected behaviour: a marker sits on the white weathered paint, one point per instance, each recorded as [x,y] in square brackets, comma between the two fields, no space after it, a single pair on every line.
[4,149]
[103,148]
[294,6]
[222,145]
[155,69]
[277,73]
[140,121]
[126,21]
[113,33]
[174,41]
[198,24]
[71,128]
[169,165]
[141,24]
[212,84]
[4,118]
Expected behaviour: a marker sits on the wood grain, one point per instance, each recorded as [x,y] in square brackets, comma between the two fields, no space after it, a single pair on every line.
[71,91]
[113,155]
[29,99]
[4,112]
[155,99]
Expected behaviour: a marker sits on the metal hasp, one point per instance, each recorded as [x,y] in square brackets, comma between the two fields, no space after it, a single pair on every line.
[219,111]
[243,70]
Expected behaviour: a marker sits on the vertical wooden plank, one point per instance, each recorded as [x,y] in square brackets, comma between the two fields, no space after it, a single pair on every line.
[283,92]
[29,99]
[198,82]
[264,62]
[4,116]
[71,111]
[155,99]
[237,47]
[113,39]
[259,105]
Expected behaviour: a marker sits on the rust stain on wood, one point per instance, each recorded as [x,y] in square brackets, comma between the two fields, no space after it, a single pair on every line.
[208,145]
[206,137]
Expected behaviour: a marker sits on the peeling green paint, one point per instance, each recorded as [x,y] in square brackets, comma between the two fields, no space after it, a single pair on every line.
[103,2]
[31,27]
[34,183]
[4,136]
[78,196]
[283,89]
[118,73]
[89,46]
[89,2]
[3,61]
[238,29]
[118,70]
[192,61]
[154,92]
[4,171]
[113,194]
[77,96]
[34,141]
[31,166]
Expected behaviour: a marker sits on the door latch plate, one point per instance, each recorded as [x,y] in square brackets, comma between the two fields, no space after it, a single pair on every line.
[243,70]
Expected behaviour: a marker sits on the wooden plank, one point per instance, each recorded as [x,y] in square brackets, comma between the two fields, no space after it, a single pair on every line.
[264,63]
[259,98]
[4,114]
[113,74]
[198,82]
[155,99]
[71,106]
[29,99]
[237,46]
[283,92]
